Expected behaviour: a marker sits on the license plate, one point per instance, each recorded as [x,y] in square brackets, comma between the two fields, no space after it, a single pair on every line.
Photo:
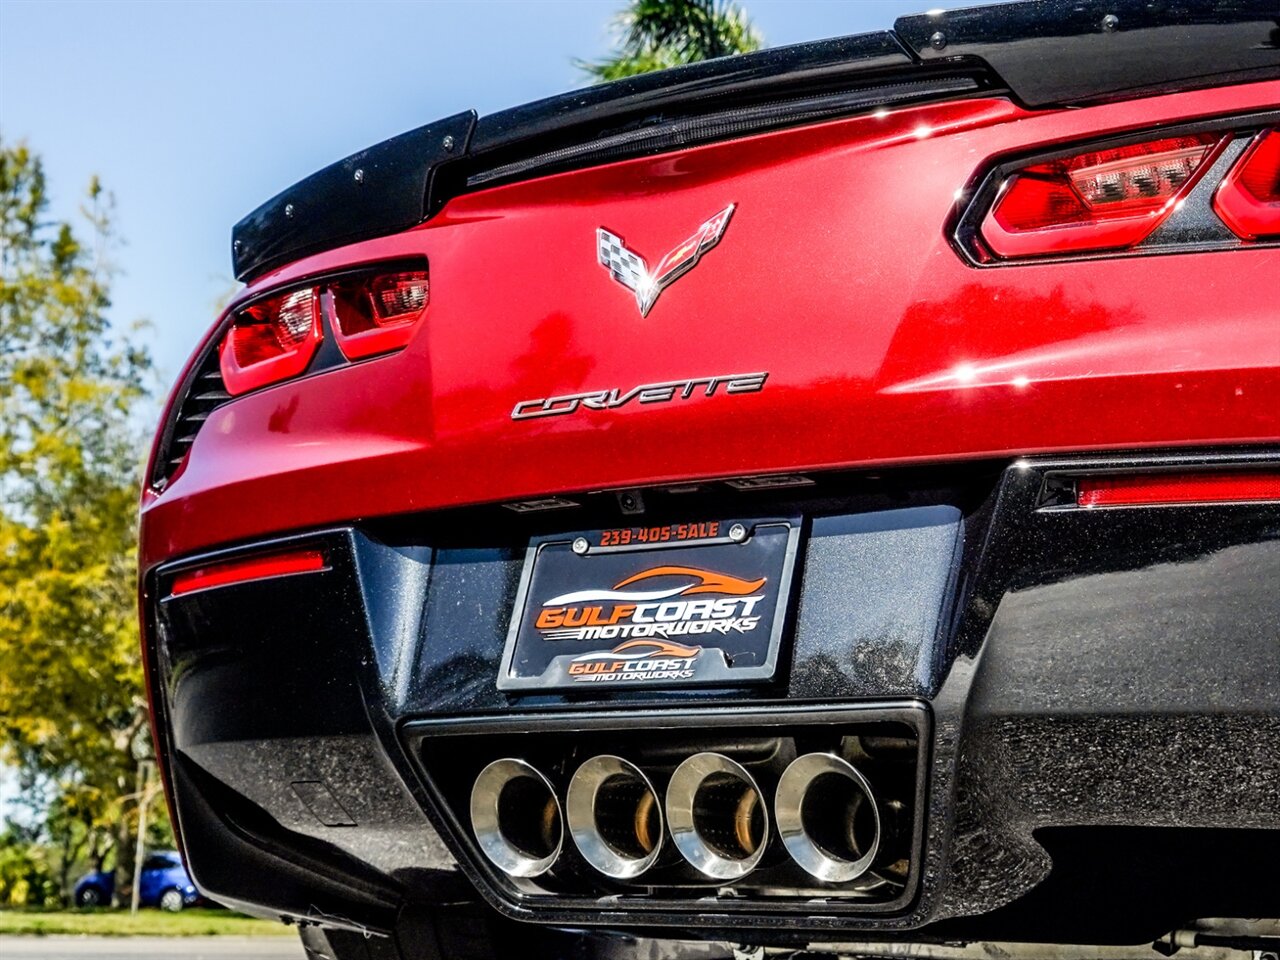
[654,606]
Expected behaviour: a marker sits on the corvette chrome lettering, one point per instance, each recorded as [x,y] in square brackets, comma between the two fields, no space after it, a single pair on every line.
[666,392]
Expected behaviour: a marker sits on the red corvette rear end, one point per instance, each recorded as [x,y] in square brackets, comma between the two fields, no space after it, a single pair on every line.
[827,499]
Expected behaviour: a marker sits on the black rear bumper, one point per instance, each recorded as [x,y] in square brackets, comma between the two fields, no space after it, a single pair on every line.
[1100,692]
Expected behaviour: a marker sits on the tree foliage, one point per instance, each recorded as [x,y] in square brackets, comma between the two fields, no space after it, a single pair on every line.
[26,879]
[656,34]
[73,717]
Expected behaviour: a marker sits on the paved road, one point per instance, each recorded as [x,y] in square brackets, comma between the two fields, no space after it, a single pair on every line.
[150,948]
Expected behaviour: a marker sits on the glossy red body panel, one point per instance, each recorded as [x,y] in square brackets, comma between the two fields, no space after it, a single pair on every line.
[835,275]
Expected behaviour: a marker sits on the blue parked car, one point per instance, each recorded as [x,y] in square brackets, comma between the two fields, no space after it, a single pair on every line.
[165,884]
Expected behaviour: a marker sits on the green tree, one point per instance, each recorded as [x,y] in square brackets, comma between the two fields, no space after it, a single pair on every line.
[656,34]
[73,717]
[25,877]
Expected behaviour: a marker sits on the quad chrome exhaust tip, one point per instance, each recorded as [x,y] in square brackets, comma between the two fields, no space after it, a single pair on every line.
[614,817]
[827,817]
[717,816]
[516,818]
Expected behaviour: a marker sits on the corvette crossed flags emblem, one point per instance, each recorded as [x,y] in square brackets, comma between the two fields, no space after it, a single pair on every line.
[630,270]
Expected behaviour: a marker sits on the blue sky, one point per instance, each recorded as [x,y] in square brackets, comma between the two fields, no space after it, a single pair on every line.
[193,113]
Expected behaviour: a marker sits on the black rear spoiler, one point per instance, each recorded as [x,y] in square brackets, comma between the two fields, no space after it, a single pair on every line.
[1043,53]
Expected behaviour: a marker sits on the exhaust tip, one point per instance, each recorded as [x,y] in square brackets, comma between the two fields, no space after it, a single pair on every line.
[717,816]
[827,817]
[516,818]
[614,817]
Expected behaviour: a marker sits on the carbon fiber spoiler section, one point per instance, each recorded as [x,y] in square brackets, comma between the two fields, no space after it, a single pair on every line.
[1043,53]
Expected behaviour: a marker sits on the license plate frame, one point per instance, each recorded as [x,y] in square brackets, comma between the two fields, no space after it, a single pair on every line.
[723,572]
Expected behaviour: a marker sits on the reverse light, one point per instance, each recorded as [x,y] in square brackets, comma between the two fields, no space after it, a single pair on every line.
[1151,489]
[231,572]
[1248,199]
[1099,200]
[376,313]
[271,340]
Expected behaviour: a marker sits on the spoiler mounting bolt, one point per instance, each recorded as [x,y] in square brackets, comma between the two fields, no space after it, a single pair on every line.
[447,143]
[358,176]
[938,41]
[1110,23]
[288,210]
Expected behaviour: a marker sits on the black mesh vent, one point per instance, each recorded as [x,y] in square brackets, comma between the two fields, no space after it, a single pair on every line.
[203,393]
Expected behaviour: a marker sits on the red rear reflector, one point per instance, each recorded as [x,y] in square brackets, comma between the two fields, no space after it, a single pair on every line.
[375,314]
[242,571]
[271,340]
[1100,200]
[1159,488]
[1248,201]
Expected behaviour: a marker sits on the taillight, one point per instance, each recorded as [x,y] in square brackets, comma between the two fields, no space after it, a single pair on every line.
[376,314]
[1150,489]
[271,340]
[1248,200]
[228,572]
[1099,200]
[369,311]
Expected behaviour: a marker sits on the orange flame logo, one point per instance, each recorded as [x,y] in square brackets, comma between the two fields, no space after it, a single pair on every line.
[661,648]
[707,582]
[648,647]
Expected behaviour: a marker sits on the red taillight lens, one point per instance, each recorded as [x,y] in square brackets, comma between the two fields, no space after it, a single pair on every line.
[271,340]
[375,314]
[1248,201]
[275,338]
[1169,488]
[242,571]
[1101,200]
